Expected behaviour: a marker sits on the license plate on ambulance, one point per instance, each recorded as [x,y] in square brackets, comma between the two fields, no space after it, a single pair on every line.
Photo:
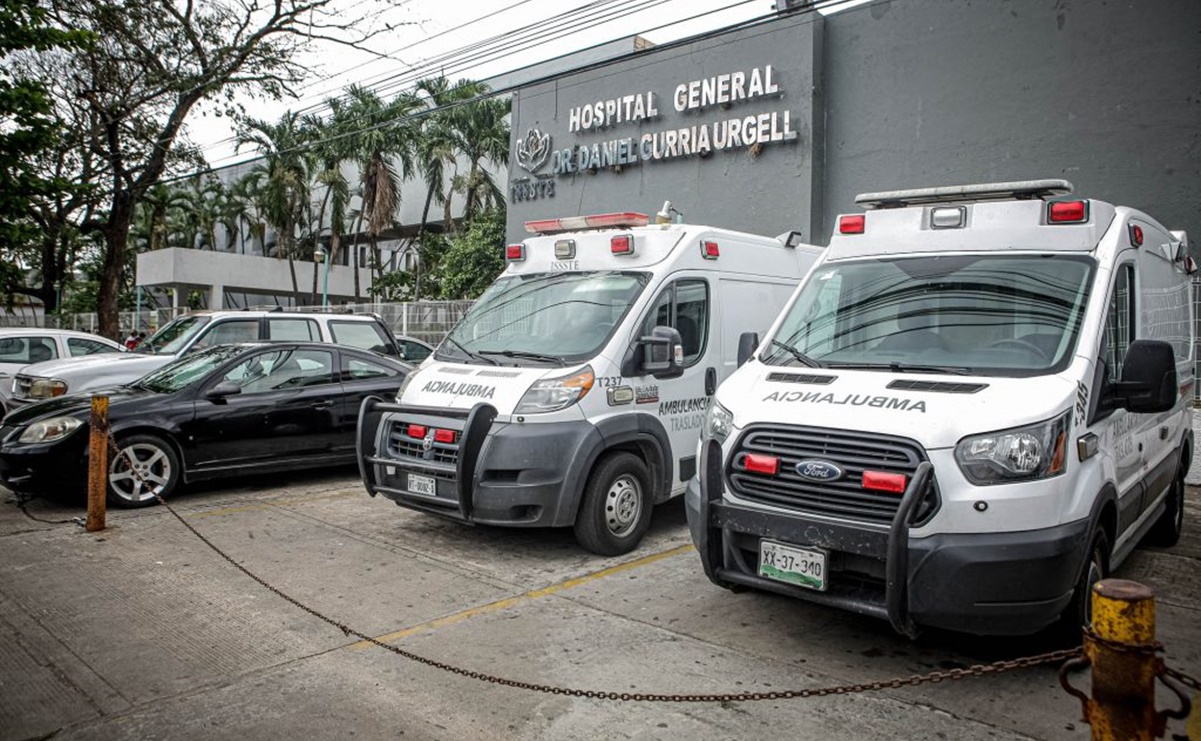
[804,567]
[424,485]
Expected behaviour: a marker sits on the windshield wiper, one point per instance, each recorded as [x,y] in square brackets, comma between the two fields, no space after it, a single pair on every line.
[904,368]
[800,356]
[525,355]
[468,353]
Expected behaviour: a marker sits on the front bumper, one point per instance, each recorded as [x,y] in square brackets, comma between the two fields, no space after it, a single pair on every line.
[988,584]
[52,468]
[526,475]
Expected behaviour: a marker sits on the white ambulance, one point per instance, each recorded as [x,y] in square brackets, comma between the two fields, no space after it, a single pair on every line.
[976,405]
[574,390]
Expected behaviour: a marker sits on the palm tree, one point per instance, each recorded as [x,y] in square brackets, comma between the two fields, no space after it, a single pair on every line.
[482,131]
[331,148]
[241,208]
[285,185]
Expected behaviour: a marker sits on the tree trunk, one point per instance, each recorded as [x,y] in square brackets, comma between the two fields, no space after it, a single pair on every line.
[116,235]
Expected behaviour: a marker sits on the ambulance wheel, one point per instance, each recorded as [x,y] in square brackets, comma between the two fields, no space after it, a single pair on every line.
[1166,530]
[616,509]
[1096,567]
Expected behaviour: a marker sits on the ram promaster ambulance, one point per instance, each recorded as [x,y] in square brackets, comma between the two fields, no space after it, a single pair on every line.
[976,405]
[573,391]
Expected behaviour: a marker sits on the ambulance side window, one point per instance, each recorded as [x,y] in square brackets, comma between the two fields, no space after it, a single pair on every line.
[1119,321]
[684,305]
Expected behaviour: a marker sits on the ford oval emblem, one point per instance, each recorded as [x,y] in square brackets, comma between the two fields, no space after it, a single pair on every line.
[818,471]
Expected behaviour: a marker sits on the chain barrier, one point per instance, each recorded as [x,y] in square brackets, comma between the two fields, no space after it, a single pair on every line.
[913,680]
[25,499]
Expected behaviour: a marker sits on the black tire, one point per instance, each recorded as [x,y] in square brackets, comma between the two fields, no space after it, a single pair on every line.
[616,508]
[1165,533]
[154,459]
[1094,569]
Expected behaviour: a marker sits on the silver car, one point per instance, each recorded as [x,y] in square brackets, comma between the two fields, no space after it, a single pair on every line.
[21,346]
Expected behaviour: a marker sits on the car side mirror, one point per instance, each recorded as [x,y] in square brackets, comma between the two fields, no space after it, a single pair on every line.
[748,342]
[662,353]
[217,394]
[1148,383]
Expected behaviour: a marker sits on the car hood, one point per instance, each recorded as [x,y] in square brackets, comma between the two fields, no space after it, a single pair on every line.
[76,405]
[67,368]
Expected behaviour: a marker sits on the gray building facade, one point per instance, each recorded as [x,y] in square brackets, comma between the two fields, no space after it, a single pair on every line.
[777,126]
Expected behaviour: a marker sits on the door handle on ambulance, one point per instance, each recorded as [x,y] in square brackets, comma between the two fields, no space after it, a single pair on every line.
[1163,432]
[710,381]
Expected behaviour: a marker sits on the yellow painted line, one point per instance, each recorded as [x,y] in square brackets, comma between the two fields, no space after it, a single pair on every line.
[269,505]
[502,604]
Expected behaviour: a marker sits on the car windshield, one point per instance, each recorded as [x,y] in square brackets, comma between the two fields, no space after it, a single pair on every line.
[187,370]
[544,317]
[1009,315]
[174,336]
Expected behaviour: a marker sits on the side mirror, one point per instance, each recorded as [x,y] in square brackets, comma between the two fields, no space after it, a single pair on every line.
[662,353]
[217,394]
[1148,383]
[748,342]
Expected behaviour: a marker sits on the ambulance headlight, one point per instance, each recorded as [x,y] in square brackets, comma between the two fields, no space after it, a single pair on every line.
[553,394]
[718,422]
[1036,451]
[400,392]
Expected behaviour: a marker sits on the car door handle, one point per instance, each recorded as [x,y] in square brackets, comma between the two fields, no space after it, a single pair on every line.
[1163,432]
[325,404]
[710,381]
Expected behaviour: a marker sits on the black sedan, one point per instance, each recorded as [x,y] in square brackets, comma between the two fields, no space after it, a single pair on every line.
[224,411]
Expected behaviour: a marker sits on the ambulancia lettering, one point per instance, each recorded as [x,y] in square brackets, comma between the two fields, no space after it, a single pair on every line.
[683,406]
[460,389]
[818,470]
[857,400]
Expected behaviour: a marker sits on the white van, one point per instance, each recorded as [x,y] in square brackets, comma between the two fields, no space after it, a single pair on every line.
[974,407]
[573,391]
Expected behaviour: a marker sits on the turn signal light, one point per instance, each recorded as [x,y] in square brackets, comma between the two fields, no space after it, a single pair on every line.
[1136,235]
[622,244]
[756,463]
[444,436]
[894,483]
[515,252]
[417,431]
[853,224]
[710,250]
[1067,212]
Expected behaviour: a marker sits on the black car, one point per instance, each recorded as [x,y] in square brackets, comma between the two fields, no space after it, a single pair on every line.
[223,411]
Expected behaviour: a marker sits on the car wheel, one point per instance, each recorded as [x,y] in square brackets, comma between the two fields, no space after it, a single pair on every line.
[145,469]
[616,510]
[1096,567]
[1166,531]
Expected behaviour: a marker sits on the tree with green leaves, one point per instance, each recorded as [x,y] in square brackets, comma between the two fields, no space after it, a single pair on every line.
[475,256]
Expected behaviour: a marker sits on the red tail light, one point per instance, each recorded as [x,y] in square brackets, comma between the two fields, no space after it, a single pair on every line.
[853,224]
[622,244]
[444,436]
[1067,212]
[710,250]
[417,431]
[893,483]
[515,252]
[756,463]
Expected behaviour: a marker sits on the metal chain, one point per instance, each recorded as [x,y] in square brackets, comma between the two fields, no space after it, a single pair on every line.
[913,680]
[25,499]
[1189,681]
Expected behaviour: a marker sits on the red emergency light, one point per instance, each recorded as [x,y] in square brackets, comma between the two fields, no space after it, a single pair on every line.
[893,483]
[1136,235]
[444,436]
[710,250]
[622,244]
[757,463]
[852,224]
[417,431]
[617,220]
[1067,212]
[515,252]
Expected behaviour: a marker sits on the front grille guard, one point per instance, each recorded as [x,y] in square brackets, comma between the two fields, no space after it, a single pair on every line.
[371,438]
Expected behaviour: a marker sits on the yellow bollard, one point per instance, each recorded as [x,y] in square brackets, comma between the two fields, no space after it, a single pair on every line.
[1122,651]
[97,463]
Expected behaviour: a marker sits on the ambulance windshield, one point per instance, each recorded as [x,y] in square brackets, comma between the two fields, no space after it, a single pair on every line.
[544,317]
[1008,315]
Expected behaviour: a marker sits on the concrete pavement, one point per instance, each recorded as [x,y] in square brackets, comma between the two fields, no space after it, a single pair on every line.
[143,632]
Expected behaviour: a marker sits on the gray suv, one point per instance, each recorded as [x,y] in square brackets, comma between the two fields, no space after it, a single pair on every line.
[193,332]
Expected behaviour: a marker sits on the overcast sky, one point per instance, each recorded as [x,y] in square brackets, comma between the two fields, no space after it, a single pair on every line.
[428,29]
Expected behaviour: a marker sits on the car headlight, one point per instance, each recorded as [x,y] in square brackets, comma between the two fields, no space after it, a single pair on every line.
[49,430]
[1037,451]
[718,422]
[553,394]
[47,388]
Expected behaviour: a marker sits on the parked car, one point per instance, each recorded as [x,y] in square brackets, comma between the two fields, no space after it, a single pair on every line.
[21,346]
[413,350]
[222,411]
[192,332]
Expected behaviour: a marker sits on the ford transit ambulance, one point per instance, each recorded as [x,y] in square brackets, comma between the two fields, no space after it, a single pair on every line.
[975,406]
[573,391]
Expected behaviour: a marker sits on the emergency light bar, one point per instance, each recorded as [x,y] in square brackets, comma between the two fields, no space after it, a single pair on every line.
[1021,189]
[621,220]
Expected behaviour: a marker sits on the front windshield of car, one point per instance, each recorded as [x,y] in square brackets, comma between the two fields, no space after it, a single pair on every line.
[189,369]
[174,336]
[544,318]
[1009,315]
